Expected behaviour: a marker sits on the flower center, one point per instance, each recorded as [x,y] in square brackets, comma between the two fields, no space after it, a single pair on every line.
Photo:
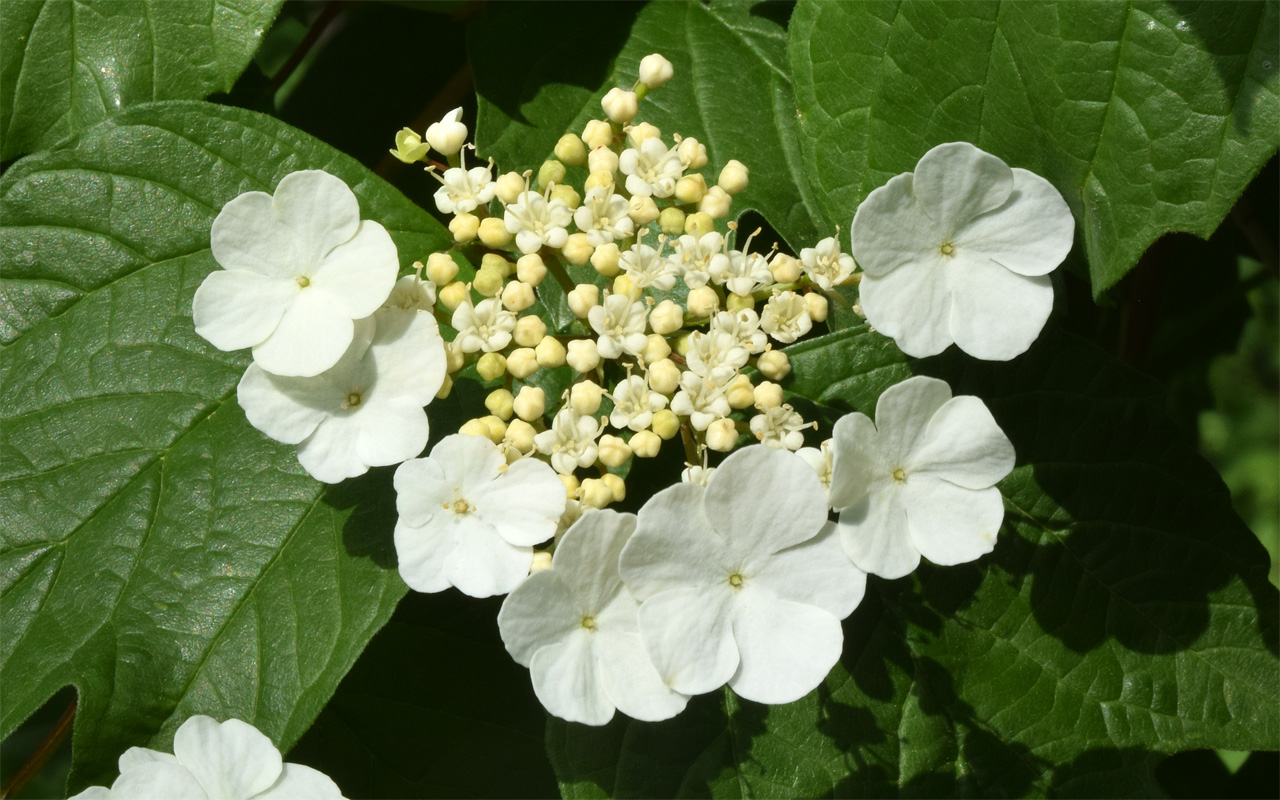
[735,580]
[459,505]
[353,399]
[589,622]
[947,249]
[899,475]
[303,281]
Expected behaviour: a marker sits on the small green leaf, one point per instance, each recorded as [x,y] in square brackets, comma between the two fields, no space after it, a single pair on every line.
[1149,117]
[67,64]
[159,553]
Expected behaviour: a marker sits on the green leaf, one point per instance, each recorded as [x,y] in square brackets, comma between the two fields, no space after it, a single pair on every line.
[67,64]
[731,91]
[159,553]
[1148,116]
[1125,614]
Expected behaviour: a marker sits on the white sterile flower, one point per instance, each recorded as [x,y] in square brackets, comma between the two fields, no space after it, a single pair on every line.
[744,326]
[652,170]
[825,264]
[603,216]
[780,427]
[634,404]
[470,520]
[693,256]
[449,134]
[744,581]
[298,267]
[485,326]
[571,441]
[716,353]
[701,400]
[646,267]
[920,480]
[786,317]
[820,459]
[620,325]
[366,410]
[740,272]
[960,251]
[574,626]
[231,760]
[411,292]
[536,221]
[462,189]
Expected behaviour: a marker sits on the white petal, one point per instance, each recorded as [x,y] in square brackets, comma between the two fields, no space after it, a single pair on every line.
[409,354]
[587,555]
[1030,234]
[817,572]
[93,793]
[674,546]
[468,460]
[359,274]
[903,413]
[311,337]
[955,182]
[762,500]
[235,309]
[523,505]
[301,782]
[421,490]
[391,431]
[286,409]
[911,305]
[964,445]
[159,781]
[856,459]
[320,208]
[540,612]
[787,648]
[949,524]
[996,314]
[249,235]
[889,229]
[631,681]
[331,453]
[136,756]
[688,635]
[567,681]
[875,535]
[422,552]
[231,760]
[482,563]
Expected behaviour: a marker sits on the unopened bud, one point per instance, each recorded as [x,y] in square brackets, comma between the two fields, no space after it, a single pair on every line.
[509,186]
[530,403]
[598,133]
[605,259]
[655,349]
[617,486]
[500,402]
[584,397]
[639,134]
[733,178]
[522,362]
[529,331]
[620,106]
[597,179]
[784,268]
[489,427]
[583,298]
[571,150]
[624,286]
[520,436]
[541,561]
[409,146]
[530,269]
[449,134]
[715,203]
[566,194]
[603,160]
[703,302]
[774,365]
[738,302]
[454,295]
[445,388]
[664,376]
[493,233]
[496,263]
[666,317]
[671,221]
[583,355]
[645,444]
[594,493]
[464,227]
[642,210]
[817,305]
[488,282]
[454,358]
[517,296]
[550,352]
[691,188]
[441,269]
[550,172]
[722,435]
[767,395]
[699,223]
[692,153]
[739,392]
[655,70]
[571,486]
[491,366]
[577,249]
[665,424]
[614,452]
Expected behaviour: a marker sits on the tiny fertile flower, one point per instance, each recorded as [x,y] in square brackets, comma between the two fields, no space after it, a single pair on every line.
[652,170]
[825,264]
[744,326]
[634,404]
[742,581]
[574,626]
[536,221]
[646,268]
[701,399]
[449,134]
[462,189]
[780,427]
[716,352]
[740,272]
[485,326]
[693,256]
[603,216]
[366,410]
[470,520]
[960,251]
[571,441]
[298,267]
[786,317]
[620,324]
[920,480]
[411,292]
[231,760]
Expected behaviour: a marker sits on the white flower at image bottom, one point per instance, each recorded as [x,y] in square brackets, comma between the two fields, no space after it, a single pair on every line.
[469,520]
[574,625]
[297,269]
[920,480]
[365,411]
[960,251]
[214,761]
[743,581]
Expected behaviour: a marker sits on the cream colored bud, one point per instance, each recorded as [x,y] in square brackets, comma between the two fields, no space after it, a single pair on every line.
[699,223]
[550,172]
[493,233]
[541,561]
[509,186]
[530,269]
[682,344]
[703,302]
[642,210]
[617,486]
[620,106]
[530,403]
[464,227]
[598,133]
[571,486]
[691,188]
[645,444]
[529,331]
[603,160]
[474,427]
[577,249]
[550,352]
[666,317]
[597,179]
[664,376]
[583,355]
[441,269]
[639,134]
[817,305]
[655,70]
[671,221]
[784,268]
[665,423]
[496,263]
[715,203]
[571,150]
[655,349]
[583,298]
[522,362]
[722,435]
[767,395]
[445,388]
[520,435]
[624,286]
[692,153]
[500,402]
[566,194]
[605,259]
[614,452]
[488,282]
[584,397]
[489,427]
[733,178]
[491,366]
[595,493]
[517,296]
[774,365]
[454,358]
[739,392]
[737,302]
[454,295]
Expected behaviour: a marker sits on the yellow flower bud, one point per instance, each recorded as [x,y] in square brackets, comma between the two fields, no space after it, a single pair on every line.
[620,106]
[784,268]
[817,305]
[584,397]
[614,452]
[566,194]
[598,133]
[445,388]
[655,349]
[464,227]
[737,302]
[622,285]
[509,186]
[550,172]
[530,403]
[517,296]
[645,444]
[602,160]
[666,424]
[617,486]
[454,358]
[774,365]
[550,352]
[577,249]
[739,392]
[488,282]
[583,355]
[493,233]
[519,436]
[703,302]
[733,178]
[454,294]
[722,435]
[489,427]
[500,402]
[691,188]
[692,153]
[529,331]
[595,493]
[583,298]
[671,221]
[531,269]
[541,561]
[664,376]
[571,150]
[596,179]
[522,362]
[638,134]
[441,269]
[715,203]
[768,395]
[643,210]
[496,263]
[655,70]
[571,486]
[605,259]
[699,223]
[666,317]
[491,366]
